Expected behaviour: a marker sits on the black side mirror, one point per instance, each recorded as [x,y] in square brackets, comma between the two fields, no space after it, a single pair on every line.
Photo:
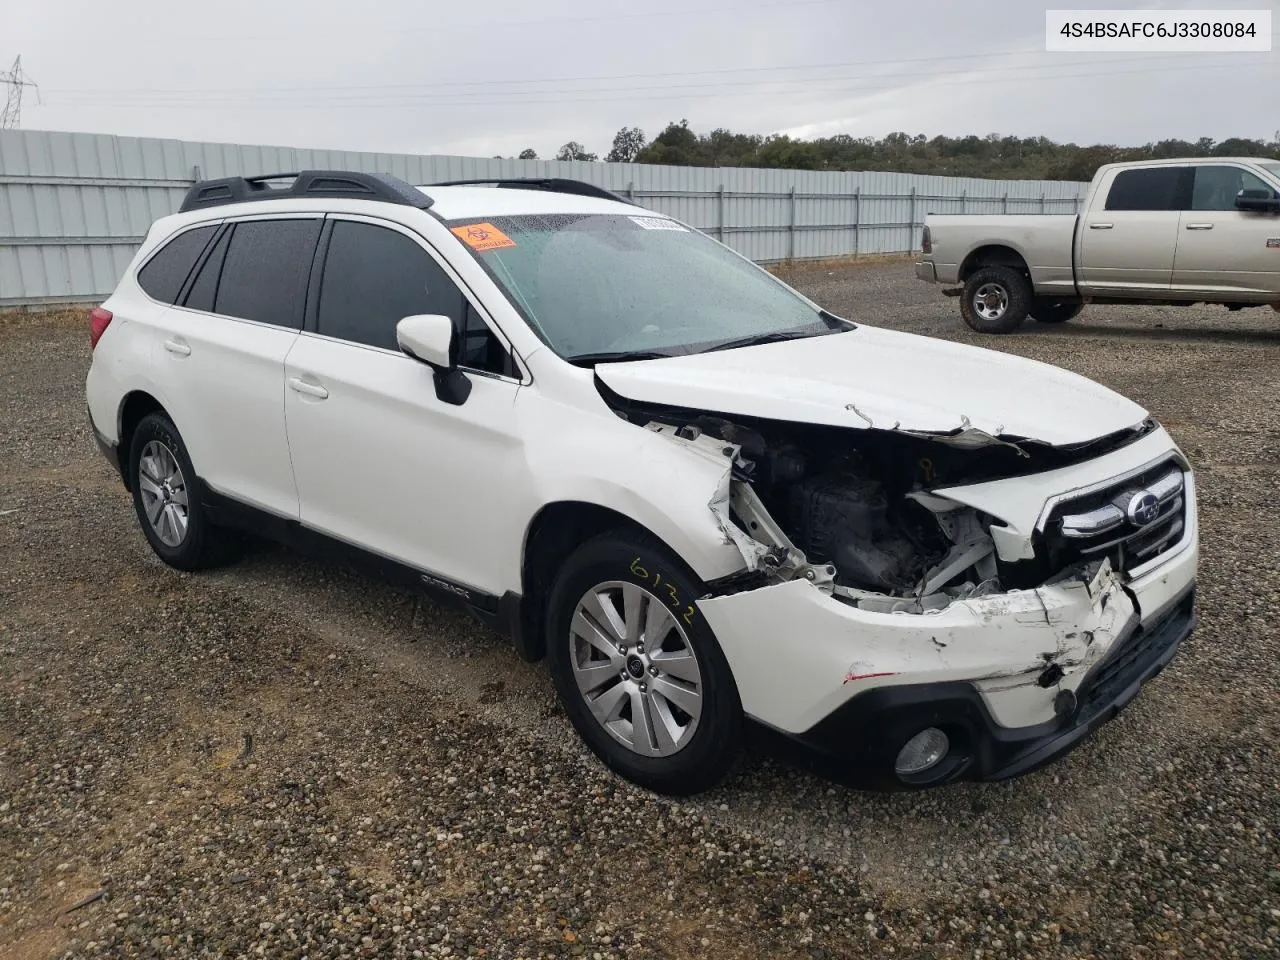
[1259,201]
[431,339]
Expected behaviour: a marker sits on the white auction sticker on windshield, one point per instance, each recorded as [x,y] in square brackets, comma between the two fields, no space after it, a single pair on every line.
[657,223]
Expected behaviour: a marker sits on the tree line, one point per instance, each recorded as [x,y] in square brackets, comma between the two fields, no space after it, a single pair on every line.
[992,156]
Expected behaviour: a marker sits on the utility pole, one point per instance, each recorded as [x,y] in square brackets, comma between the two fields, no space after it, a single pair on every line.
[17,81]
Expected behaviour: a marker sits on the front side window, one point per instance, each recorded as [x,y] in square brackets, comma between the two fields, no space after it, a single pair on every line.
[1217,186]
[375,277]
[604,286]
[1148,188]
[164,274]
[264,275]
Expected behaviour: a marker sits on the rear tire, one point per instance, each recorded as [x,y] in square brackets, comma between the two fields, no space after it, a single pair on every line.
[995,299]
[637,668]
[1048,310]
[167,499]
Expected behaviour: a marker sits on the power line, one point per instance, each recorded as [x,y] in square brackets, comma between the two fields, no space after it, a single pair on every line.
[525,81]
[16,79]
[266,32]
[431,99]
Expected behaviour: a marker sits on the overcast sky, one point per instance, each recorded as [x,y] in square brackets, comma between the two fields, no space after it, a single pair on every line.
[496,76]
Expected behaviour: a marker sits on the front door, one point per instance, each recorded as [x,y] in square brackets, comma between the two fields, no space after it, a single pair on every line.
[1223,251]
[381,462]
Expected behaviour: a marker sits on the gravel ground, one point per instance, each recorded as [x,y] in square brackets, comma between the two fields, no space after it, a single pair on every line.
[283,759]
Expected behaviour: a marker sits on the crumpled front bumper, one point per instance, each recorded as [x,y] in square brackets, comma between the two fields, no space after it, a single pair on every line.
[1013,676]
[981,749]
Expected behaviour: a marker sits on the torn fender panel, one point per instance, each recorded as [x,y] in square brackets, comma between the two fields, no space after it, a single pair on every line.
[661,484]
[881,379]
[1006,639]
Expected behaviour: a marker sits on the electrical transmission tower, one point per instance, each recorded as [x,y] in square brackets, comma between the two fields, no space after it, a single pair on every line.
[17,81]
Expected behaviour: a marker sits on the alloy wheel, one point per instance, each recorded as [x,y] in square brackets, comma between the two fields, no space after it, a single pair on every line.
[164,493]
[635,668]
[990,301]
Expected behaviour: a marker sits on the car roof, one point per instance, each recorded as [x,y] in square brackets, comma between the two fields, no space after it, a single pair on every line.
[1184,161]
[467,202]
[449,203]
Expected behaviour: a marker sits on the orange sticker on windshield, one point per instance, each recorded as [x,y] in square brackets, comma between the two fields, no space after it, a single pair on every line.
[483,236]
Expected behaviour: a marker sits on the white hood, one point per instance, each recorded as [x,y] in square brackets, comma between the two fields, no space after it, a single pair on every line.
[870,377]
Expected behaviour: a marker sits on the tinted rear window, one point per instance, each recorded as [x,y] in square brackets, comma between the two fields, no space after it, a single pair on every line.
[166,272]
[264,275]
[205,285]
[1157,188]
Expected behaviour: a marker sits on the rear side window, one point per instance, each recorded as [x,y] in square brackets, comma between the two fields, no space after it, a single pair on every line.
[265,271]
[375,277]
[205,287]
[165,273]
[1153,188]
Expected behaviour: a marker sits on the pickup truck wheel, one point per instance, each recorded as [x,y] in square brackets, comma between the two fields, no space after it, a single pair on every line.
[637,668]
[995,299]
[1046,310]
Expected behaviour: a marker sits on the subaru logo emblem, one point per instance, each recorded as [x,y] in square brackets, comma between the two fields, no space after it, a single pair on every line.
[1143,508]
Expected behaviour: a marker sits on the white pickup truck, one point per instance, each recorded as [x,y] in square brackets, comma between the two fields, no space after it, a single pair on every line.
[1156,231]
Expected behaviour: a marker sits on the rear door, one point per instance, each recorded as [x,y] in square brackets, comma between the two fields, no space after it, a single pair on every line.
[381,461]
[1129,238]
[223,357]
[1223,251]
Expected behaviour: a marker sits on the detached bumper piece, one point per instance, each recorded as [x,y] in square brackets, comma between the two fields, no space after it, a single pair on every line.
[926,271]
[860,743]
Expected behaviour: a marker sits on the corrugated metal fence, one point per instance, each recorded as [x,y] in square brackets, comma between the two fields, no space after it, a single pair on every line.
[74,207]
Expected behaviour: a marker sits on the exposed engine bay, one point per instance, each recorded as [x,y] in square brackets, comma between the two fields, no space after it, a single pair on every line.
[852,510]
[833,515]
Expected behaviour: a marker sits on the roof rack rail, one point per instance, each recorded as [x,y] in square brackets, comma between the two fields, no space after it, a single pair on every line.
[307,183]
[550,184]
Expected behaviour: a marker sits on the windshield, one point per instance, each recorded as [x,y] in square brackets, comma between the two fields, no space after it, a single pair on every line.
[1272,168]
[605,286]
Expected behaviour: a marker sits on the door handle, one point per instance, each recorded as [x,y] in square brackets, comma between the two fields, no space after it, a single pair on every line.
[1101,226]
[1199,226]
[178,346]
[298,385]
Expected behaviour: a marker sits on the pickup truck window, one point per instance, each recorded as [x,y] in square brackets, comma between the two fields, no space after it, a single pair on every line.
[1149,188]
[1217,185]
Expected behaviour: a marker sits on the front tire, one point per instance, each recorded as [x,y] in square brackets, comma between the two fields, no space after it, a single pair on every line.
[1047,310]
[637,668]
[995,299]
[166,498]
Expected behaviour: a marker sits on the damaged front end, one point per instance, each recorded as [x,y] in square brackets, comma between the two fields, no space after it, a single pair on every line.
[875,606]
[854,512]
[935,606]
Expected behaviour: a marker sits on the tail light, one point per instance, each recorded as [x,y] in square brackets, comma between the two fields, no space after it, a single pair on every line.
[98,321]
[926,241]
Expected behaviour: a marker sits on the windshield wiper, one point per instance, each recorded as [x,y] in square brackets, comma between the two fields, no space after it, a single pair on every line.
[776,336]
[591,359]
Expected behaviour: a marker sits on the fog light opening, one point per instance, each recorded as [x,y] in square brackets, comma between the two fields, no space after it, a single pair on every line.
[923,752]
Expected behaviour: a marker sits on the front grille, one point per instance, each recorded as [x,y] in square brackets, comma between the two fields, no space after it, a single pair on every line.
[1131,522]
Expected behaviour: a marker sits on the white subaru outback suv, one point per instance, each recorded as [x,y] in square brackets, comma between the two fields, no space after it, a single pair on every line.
[699,495]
